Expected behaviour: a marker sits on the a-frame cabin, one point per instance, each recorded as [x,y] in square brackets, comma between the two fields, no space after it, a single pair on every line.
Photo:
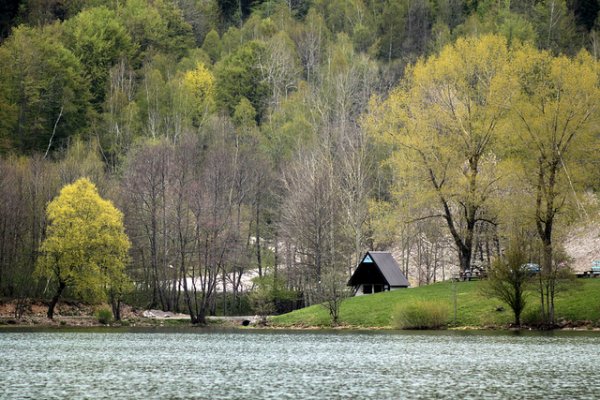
[377,272]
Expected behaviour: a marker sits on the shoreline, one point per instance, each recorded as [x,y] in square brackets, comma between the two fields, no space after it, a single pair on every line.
[73,316]
[84,323]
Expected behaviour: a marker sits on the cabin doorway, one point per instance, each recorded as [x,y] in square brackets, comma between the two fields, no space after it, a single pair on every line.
[373,288]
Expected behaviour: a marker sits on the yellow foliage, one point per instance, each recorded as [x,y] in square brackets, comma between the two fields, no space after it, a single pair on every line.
[86,245]
[480,111]
[199,82]
[443,120]
[554,129]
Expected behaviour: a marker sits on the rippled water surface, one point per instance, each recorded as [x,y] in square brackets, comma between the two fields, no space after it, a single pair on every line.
[297,365]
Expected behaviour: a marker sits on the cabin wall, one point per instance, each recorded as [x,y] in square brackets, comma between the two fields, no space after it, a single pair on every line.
[381,288]
[386,288]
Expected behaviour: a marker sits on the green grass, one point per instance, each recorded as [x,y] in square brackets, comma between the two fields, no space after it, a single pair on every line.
[472,308]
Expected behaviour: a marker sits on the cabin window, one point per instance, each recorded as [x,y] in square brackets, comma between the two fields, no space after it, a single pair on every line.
[367,289]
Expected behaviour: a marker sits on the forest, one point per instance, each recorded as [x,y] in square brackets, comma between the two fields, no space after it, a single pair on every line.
[264,146]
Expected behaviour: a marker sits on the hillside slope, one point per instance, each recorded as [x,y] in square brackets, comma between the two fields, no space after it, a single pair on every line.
[583,246]
[472,308]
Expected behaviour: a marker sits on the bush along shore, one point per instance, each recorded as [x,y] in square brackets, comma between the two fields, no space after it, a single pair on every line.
[458,305]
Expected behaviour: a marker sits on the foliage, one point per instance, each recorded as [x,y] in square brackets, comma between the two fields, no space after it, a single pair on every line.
[212,45]
[104,316]
[85,248]
[239,75]
[507,280]
[555,25]
[556,112]
[442,123]
[99,39]
[421,315]
[156,26]
[44,94]
[199,82]
[233,134]
[268,293]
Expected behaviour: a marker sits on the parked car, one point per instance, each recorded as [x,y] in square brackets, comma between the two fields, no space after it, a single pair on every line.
[531,268]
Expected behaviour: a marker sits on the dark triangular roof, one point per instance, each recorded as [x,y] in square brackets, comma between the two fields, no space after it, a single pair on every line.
[387,265]
[389,268]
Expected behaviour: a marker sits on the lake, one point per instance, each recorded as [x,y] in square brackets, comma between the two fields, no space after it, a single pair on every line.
[206,364]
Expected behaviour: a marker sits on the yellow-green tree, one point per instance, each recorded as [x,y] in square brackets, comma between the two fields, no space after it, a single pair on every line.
[199,84]
[441,123]
[86,247]
[556,113]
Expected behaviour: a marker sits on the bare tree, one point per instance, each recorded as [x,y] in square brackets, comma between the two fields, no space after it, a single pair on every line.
[145,204]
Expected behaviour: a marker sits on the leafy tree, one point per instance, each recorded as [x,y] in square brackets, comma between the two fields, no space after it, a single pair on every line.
[494,17]
[231,40]
[268,293]
[508,278]
[212,45]
[86,247]
[157,26]
[442,122]
[234,11]
[179,36]
[239,75]
[203,16]
[289,126]
[392,26]
[555,25]
[43,12]
[244,115]
[43,89]
[555,117]
[199,83]
[99,40]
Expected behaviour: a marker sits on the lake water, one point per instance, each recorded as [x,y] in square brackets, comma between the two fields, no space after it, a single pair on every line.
[298,365]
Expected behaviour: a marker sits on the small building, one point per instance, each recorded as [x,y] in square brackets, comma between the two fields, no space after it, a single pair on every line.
[377,272]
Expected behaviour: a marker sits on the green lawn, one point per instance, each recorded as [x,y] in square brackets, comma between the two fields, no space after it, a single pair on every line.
[473,308]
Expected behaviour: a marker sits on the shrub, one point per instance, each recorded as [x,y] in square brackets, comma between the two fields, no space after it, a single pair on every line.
[104,316]
[532,317]
[421,315]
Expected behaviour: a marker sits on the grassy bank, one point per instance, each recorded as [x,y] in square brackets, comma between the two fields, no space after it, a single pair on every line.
[472,307]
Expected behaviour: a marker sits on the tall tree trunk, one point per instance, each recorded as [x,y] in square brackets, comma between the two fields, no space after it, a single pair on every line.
[258,251]
[545,214]
[115,304]
[224,277]
[61,288]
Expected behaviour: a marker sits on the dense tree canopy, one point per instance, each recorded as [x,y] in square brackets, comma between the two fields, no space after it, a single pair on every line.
[285,137]
[99,40]
[45,95]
